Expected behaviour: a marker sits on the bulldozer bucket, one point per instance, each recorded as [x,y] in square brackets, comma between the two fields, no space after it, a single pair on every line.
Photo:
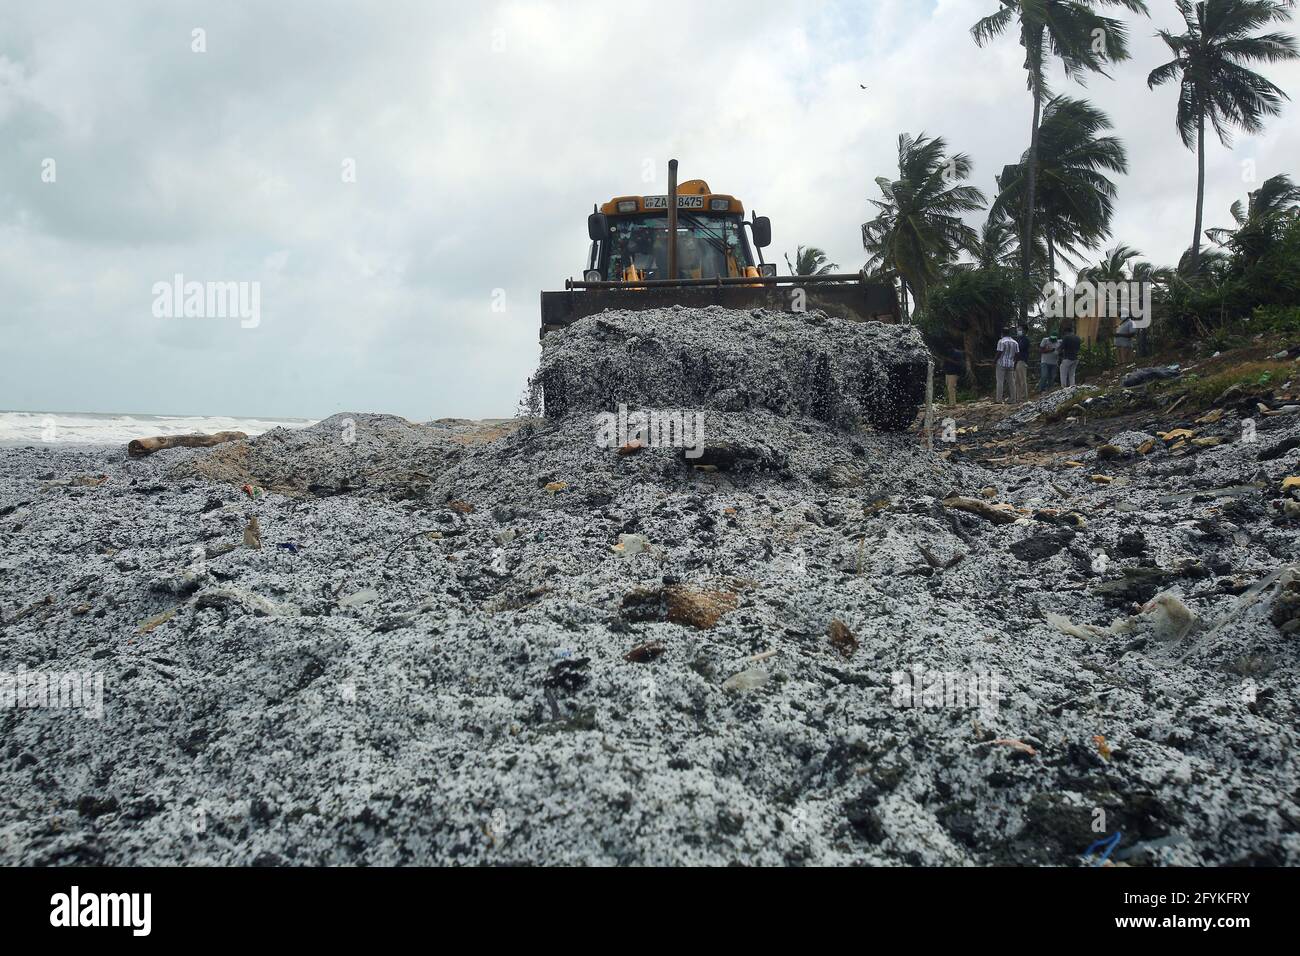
[842,296]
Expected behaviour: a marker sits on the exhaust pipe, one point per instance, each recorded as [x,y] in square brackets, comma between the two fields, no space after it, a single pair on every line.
[672,219]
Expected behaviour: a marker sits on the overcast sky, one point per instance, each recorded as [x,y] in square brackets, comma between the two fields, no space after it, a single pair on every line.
[480,135]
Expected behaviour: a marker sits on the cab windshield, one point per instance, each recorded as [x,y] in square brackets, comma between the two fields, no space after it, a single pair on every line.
[708,246]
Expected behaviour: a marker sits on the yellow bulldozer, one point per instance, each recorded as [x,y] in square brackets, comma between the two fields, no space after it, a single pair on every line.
[694,248]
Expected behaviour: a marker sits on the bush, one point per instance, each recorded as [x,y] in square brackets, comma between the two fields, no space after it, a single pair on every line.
[1097,357]
[969,309]
[1276,318]
[1237,298]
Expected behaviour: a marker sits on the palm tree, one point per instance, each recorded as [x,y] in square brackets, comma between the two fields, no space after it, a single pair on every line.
[1210,60]
[1118,267]
[809,261]
[1208,264]
[1114,266]
[1154,274]
[918,228]
[1075,199]
[1085,42]
[998,243]
[1267,209]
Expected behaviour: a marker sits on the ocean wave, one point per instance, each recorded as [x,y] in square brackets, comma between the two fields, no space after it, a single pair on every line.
[92,428]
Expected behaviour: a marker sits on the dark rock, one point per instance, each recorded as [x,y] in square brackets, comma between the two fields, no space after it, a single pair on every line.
[1043,544]
[1132,545]
[864,820]
[1137,586]
[1280,449]
[567,674]
[93,807]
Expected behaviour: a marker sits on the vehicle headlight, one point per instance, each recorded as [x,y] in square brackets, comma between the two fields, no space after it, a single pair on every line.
[591,275]
[627,205]
[720,204]
[767,269]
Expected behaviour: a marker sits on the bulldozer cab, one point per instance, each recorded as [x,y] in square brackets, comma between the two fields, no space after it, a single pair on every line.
[709,245]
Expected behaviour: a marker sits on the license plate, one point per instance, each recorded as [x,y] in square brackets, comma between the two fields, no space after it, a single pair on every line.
[683,202]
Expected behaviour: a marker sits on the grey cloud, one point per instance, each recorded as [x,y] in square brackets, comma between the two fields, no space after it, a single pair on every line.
[481,134]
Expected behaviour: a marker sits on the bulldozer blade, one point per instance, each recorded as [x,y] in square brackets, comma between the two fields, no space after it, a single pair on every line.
[854,301]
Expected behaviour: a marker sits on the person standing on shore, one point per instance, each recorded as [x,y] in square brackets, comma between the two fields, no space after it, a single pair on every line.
[1070,345]
[954,362]
[1049,357]
[1006,363]
[1124,336]
[1022,365]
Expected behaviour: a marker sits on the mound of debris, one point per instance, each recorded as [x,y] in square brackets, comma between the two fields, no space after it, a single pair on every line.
[796,365]
[781,642]
[1049,403]
[347,452]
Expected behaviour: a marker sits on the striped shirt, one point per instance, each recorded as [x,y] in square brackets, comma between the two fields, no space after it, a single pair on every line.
[1007,351]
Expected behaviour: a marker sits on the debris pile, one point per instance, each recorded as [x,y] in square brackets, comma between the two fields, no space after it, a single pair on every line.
[795,365]
[380,642]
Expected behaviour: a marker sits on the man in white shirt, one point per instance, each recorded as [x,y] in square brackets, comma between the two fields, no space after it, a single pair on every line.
[1007,352]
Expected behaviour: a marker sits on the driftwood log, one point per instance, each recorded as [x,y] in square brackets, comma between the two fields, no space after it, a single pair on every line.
[139,447]
[976,507]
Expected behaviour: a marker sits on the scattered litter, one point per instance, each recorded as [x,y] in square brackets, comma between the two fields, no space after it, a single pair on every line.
[842,639]
[1018,745]
[1143,375]
[253,491]
[290,546]
[252,533]
[1174,839]
[1171,619]
[644,653]
[1165,615]
[1087,632]
[699,608]
[1273,412]
[364,596]
[148,626]
[751,679]
[630,545]
[225,599]
[1103,748]
[1279,579]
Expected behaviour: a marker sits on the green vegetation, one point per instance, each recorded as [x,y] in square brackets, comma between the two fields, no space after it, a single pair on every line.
[1057,201]
[1202,391]
[809,261]
[1210,63]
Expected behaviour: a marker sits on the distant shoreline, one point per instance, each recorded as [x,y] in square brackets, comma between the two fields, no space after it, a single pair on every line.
[79,429]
